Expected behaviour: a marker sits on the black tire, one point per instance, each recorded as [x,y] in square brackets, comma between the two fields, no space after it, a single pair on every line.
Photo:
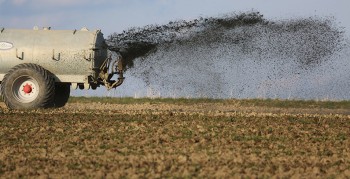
[28,86]
[62,92]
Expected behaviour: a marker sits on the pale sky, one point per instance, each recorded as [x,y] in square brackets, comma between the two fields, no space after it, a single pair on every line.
[117,15]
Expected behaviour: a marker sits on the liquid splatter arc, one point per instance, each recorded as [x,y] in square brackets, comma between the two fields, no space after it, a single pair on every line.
[237,56]
[139,42]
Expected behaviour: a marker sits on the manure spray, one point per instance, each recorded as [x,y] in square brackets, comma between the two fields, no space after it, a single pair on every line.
[239,56]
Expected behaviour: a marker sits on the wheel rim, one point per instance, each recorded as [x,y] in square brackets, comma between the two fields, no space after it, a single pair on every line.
[25,89]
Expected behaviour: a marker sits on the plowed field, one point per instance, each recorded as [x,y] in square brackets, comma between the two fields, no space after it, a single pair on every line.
[155,139]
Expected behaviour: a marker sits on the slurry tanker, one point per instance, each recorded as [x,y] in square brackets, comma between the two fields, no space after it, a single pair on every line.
[39,67]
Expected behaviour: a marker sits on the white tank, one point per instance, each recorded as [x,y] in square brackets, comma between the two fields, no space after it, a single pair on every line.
[71,55]
[38,67]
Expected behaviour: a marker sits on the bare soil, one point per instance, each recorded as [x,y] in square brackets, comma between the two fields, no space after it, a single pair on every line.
[174,140]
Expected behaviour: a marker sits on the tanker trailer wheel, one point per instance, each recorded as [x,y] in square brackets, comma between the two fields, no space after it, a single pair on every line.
[28,86]
[62,92]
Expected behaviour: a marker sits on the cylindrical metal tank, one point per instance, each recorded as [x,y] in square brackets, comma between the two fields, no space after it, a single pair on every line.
[70,55]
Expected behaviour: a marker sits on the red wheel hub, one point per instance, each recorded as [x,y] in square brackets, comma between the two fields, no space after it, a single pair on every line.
[27,89]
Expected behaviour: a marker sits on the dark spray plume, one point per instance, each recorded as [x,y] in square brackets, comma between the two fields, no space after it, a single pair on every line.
[140,41]
[236,55]
[309,40]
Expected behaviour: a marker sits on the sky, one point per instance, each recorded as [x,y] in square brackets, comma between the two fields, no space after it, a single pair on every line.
[118,15]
